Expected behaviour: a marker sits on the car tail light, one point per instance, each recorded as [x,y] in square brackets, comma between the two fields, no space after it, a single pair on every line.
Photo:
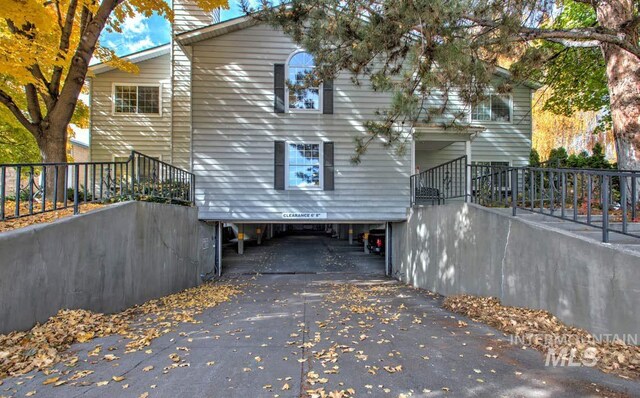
[379,242]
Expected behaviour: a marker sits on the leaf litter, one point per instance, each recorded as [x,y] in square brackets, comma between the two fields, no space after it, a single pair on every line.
[46,344]
[544,332]
[40,218]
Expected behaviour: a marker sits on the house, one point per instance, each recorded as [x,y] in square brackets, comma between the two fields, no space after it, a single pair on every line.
[214,101]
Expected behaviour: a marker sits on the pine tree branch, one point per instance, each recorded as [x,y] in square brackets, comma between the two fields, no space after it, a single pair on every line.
[569,37]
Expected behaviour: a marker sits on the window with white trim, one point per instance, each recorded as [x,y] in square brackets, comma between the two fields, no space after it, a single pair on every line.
[303,89]
[304,165]
[494,108]
[136,99]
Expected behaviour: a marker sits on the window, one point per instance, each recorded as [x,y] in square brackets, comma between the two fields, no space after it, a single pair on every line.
[136,99]
[303,165]
[303,88]
[495,108]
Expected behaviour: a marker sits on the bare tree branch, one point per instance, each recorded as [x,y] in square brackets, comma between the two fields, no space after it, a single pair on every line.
[33,106]
[67,100]
[577,44]
[15,110]
[67,29]
[589,34]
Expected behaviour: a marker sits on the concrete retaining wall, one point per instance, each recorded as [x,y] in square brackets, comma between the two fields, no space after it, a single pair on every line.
[464,248]
[105,261]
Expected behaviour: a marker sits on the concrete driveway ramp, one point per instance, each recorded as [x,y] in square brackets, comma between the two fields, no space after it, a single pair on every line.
[301,252]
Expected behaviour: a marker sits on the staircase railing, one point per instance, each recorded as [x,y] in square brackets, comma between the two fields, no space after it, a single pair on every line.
[32,188]
[436,185]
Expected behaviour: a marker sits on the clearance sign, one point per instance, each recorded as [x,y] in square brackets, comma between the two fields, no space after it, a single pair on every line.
[304,216]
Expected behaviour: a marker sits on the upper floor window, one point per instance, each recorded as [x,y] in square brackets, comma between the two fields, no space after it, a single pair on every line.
[494,108]
[136,99]
[303,87]
[303,164]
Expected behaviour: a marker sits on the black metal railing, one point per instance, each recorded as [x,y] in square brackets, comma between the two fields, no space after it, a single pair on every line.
[32,188]
[436,185]
[555,163]
[603,199]
[490,185]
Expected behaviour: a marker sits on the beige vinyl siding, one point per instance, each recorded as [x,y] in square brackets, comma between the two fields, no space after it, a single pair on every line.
[115,134]
[181,105]
[187,16]
[500,141]
[235,129]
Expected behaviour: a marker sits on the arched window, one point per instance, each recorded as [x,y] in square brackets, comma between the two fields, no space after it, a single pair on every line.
[303,88]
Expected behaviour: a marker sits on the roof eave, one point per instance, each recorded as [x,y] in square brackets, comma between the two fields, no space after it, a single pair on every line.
[135,58]
[504,72]
[214,30]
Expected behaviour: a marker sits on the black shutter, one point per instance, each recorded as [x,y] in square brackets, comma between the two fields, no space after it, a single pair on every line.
[278,170]
[328,169]
[278,88]
[327,97]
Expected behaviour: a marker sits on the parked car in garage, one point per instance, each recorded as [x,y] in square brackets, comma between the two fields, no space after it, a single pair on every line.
[376,241]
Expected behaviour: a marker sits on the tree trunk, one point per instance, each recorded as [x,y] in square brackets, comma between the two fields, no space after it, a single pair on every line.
[53,148]
[623,76]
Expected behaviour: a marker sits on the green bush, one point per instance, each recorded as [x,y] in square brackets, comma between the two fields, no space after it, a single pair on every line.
[558,157]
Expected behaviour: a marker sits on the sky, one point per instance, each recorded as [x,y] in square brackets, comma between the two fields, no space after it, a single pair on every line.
[140,33]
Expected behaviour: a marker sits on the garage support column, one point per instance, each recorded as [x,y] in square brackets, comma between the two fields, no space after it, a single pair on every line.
[259,235]
[365,239]
[240,238]
[388,254]
[270,235]
[351,234]
[467,152]
[218,257]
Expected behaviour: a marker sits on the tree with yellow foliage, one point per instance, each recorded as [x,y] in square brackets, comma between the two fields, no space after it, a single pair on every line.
[577,131]
[45,50]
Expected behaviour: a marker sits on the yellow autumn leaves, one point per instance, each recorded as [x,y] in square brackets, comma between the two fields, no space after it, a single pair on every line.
[45,345]
[529,325]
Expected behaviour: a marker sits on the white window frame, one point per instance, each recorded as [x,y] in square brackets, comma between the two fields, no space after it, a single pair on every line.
[488,97]
[287,165]
[136,85]
[286,89]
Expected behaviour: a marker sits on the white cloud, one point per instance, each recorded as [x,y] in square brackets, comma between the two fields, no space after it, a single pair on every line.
[138,45]
[135,25]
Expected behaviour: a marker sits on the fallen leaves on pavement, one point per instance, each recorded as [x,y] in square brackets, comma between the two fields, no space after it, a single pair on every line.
[45,344]
[543,331]
[40,347]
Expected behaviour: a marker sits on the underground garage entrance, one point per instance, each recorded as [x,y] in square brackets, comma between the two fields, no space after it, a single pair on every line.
[304,248]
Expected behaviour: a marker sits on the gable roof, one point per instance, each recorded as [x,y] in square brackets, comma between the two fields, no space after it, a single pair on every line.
[214,30]
[136,57]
